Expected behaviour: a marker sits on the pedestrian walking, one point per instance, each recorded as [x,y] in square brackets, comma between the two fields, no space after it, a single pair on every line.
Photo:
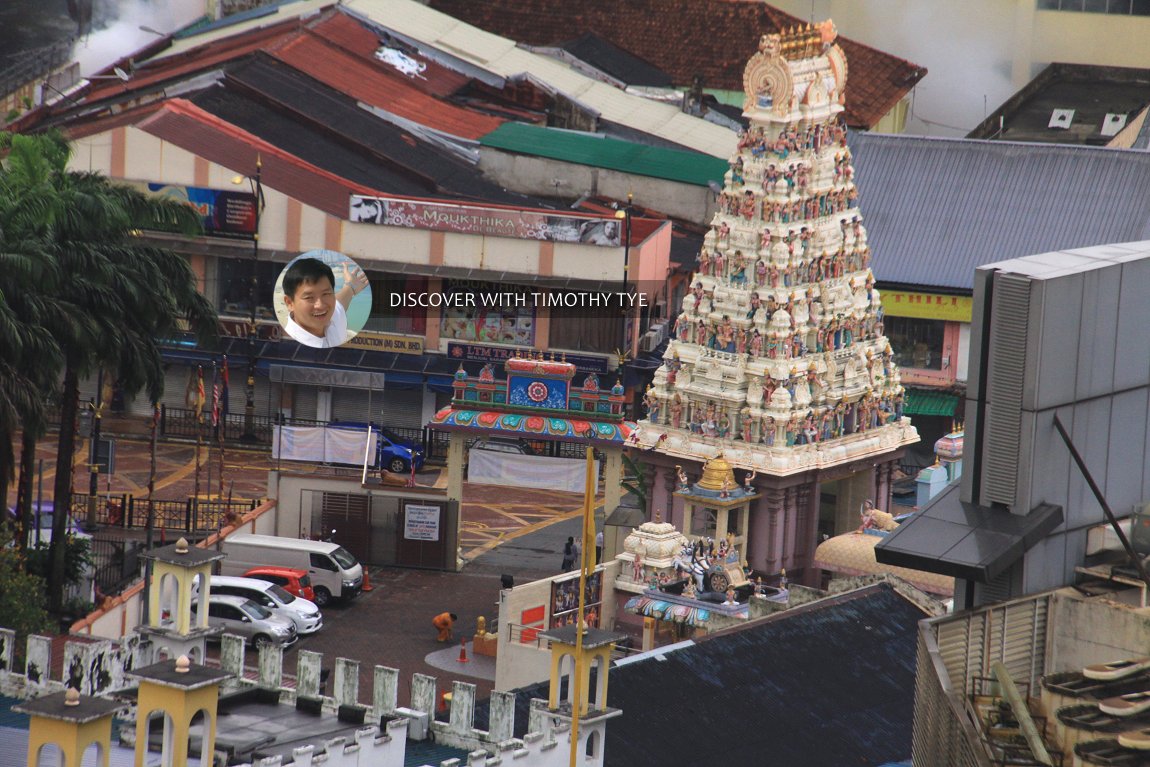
[570,554]
[598,547]
[443,623]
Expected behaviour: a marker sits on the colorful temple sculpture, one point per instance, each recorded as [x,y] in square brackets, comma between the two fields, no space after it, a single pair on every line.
[778,360]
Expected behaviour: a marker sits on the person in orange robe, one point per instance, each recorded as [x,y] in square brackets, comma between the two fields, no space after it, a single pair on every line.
[443,623]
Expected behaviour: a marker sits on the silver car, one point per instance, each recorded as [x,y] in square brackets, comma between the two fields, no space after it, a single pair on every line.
[243,617]
[304,614]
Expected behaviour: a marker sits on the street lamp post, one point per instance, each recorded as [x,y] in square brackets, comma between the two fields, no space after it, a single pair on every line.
[249,434]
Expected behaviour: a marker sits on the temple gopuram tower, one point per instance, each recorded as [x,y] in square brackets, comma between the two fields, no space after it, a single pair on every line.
[778,360]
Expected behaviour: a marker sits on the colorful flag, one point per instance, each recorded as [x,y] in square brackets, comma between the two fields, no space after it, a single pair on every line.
[199,391]
[215,397]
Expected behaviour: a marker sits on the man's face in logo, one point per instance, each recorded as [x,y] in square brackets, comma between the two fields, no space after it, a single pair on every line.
[313,305]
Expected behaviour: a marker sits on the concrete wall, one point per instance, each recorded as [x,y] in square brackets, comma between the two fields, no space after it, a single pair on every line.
[1084,632]
[549,178]
[520,663]
[978,52]
[293,517]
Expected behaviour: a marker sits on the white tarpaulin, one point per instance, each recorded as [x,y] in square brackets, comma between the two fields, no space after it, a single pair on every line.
[488,467]
[321,444]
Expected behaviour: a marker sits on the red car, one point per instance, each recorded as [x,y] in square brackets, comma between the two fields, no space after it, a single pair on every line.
[296,582]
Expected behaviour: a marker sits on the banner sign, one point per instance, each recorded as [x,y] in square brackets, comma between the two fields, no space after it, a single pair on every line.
[496,222]
[927,306]
[227,213]
[421,523]
[386,342]
[481,353]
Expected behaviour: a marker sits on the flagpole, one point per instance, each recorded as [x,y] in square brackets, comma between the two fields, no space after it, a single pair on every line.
[223,427]
[586,566]
[199,442]
[214,420]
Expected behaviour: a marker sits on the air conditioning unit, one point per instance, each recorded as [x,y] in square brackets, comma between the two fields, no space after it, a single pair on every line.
[649,342]
[661,330]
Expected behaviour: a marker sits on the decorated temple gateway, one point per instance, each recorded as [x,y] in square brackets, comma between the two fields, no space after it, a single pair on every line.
[778,360]
[536,398]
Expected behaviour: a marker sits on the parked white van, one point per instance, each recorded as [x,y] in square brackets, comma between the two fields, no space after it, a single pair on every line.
[303,613]
[334,572]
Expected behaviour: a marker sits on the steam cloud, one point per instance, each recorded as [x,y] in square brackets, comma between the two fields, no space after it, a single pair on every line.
[116,29]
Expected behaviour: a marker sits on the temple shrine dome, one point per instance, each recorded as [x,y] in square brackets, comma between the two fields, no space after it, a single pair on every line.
[657,543]
[717,473]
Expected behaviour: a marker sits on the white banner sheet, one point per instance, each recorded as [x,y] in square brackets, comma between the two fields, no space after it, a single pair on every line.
[488,467]
[319,444]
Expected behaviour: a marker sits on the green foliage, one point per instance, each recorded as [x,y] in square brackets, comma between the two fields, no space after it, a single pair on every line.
[635,479]
[77,559]
[21,593]
[84,291]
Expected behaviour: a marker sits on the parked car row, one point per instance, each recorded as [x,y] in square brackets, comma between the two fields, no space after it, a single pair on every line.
[271,588]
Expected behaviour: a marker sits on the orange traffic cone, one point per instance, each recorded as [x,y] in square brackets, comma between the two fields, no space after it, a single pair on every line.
[463,650]
[443,701]
[367,581]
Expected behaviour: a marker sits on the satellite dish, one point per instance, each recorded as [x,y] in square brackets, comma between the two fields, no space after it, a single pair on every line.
[121,74]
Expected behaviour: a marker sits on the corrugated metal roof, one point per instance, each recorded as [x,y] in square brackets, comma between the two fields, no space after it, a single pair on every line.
[370,82]
[287,11]
[500,56]
[586,149]
[199,132]
[935,209]
[685,38]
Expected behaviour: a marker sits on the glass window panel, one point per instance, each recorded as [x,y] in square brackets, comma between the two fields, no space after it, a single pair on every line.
[917,343]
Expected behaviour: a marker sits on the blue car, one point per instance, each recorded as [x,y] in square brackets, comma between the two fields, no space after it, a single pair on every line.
[392,451]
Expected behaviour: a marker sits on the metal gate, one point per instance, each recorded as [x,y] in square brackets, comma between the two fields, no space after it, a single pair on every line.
[347,514]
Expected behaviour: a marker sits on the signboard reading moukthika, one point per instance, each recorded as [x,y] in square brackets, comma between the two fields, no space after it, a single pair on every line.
[497,222]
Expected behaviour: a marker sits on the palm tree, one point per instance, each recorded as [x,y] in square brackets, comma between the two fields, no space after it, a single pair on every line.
[30,359]
[127,292]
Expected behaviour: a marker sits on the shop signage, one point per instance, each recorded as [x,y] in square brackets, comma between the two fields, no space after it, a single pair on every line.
[265,331]
[386,342]
[927,306]
[584,363]
[421,523]
[497,222]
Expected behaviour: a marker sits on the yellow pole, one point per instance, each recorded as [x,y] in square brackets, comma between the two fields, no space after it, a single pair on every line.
[586,566]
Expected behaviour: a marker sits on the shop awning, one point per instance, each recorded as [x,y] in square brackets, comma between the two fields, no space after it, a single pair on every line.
[921,402]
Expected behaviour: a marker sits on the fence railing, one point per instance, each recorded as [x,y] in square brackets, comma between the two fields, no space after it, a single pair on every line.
[231,427]
[184,514]
[116,562]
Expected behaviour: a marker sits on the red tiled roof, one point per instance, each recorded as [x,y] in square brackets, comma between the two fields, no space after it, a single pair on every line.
[712,38]
[370,82]
[203,134]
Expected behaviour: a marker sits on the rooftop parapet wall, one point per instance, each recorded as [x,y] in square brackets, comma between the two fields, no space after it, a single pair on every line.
[100,668]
